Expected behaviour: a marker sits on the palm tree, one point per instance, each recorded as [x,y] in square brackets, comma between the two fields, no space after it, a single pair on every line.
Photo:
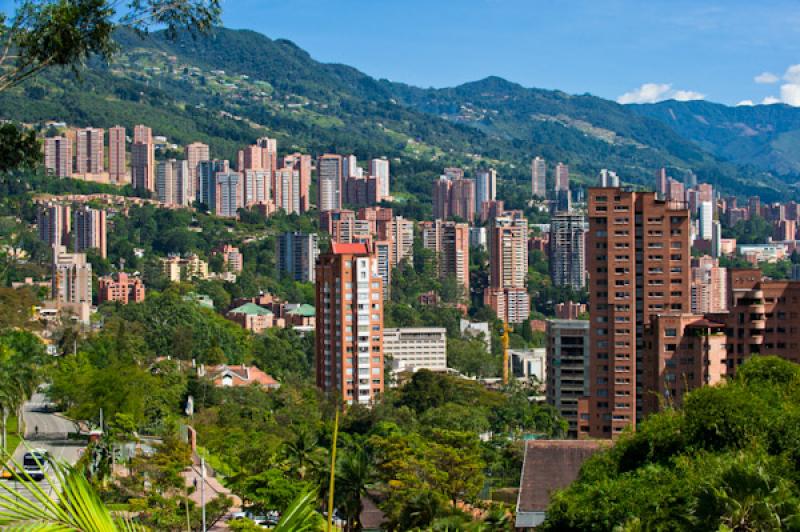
[353,475]
[79,507]
[303,453]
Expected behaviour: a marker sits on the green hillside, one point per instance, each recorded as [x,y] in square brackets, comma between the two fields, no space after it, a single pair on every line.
[229,87]
[765,136]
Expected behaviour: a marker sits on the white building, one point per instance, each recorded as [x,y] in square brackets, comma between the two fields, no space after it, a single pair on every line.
[529,363]
[706,216]
[469,328]
[416,348]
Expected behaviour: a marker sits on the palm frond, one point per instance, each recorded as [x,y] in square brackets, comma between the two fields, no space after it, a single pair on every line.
[301,516]
[77,506]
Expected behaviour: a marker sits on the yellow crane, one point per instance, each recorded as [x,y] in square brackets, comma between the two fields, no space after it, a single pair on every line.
[506,330]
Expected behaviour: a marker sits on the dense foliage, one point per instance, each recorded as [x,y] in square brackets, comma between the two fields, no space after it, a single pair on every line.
[727,461]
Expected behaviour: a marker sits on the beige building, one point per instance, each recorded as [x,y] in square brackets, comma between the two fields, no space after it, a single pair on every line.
[450,242]
[415,348]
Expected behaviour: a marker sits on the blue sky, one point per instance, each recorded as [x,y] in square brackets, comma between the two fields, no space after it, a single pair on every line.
[649,49]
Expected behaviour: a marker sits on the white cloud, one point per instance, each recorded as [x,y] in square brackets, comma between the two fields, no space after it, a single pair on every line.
[790,94]
[685,96]
[657,92]
[769,100]
[745,103]
[792,74]
[766,77]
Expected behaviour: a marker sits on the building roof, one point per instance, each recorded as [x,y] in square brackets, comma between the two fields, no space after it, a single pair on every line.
[548,466]
[241,376]
[340,248]
[251,309]
[305,310]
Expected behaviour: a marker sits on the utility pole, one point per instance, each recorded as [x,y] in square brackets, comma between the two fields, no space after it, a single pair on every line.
[203,490]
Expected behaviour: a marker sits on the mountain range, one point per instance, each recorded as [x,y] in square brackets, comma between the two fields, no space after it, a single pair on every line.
[231,86]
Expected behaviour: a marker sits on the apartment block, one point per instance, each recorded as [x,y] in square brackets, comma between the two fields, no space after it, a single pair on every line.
[561,177]
[291,184]
[71,278]
[682,351]
[450,242]
[231,257]
[330,184]
[297,255]
[89,151]
[177,268]
[120,287]
[709,286]
[54,223]
[415,348]
[349,324]
[568,358]
[173,183]
[207,179]
[58,156]
[485,187]
[454,197]
[257,187]
[89,230]
[568,250]
[379,168]
[638,262]
[507,294]
[117,154]
[195,153]
[229,194]
[539,177]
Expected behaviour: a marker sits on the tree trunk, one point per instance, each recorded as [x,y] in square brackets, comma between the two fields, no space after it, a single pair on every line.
[5,419]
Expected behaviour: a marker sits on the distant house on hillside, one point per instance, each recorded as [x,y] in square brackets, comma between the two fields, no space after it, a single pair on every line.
[224,376]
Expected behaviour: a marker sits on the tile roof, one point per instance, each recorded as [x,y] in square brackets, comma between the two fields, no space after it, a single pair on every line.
[549,466]
[251,309]
[341,248]
[305,310]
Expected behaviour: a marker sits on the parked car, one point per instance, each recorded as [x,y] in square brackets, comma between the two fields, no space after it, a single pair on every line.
[35,463]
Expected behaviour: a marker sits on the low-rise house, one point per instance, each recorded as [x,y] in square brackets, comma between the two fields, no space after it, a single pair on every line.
[255,318]
[241,375]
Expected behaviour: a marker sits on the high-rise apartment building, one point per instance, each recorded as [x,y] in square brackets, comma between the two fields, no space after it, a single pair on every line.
[297,255]
[485,187]
[608,178]
[71,278]
[708,285]
[706,219]
[454,198]
[349,324]
[567,368]
[329,182]
[450,242]
[291,191]
[350,167]
[257,187]
[58,156]
[379,168]
[54,223]
[117,165]
[561,177]
[539,177]
[142,166]
[89,151]
[173,183]
[194,153]
[638,250]
[89,230]
[229,194]
[507,294]
[207,179]
[400,233]
[568,250]
[143,159]
[661,183]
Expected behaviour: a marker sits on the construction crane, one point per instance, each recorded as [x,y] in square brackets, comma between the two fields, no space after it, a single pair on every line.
[506,330]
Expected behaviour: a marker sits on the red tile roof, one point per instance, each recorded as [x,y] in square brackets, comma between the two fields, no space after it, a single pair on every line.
[341,248]
[241,376]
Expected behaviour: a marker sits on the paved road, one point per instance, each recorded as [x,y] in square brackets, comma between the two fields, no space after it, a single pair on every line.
[53,430]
